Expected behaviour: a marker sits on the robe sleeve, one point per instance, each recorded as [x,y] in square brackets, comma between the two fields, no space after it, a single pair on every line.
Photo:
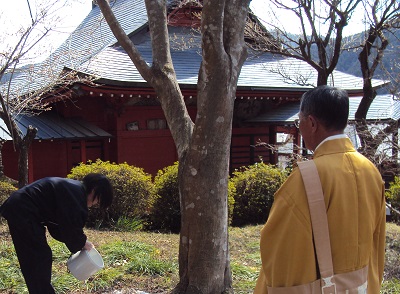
[286,243]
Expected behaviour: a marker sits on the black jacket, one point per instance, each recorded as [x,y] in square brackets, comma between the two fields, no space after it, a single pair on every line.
[58,203]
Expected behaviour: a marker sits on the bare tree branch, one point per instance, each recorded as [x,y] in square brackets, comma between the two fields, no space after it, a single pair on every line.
[312,18]
[23,89]
[383,18]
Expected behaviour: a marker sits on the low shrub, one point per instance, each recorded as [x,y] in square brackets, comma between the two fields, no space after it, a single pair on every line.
[5,191]
[8,180]
[393,197]
[133,191]
[165,214]
[255,187]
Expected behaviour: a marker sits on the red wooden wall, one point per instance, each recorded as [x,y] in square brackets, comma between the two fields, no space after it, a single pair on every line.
[140,137]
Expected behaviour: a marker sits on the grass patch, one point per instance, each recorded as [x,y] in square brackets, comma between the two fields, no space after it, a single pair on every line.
[136,258]
[391,283]
[149,262]
[125,224]
[244,277]
[10,274]
[391,286]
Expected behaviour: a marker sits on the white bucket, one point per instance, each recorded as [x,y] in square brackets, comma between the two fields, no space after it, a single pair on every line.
[84,264]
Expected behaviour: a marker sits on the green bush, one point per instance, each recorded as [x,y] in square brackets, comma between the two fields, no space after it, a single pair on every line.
[255,187]
[165,214]
[393,197]
[133,191]
[5,190]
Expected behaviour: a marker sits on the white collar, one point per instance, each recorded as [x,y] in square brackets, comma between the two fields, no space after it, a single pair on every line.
[334,137]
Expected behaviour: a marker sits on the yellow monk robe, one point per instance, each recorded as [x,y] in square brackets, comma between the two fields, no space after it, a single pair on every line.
[354,197]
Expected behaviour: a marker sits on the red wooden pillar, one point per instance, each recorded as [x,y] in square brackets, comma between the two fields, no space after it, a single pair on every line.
[273,156]
[83,151]
[296,141]
[30,165]
[106,149]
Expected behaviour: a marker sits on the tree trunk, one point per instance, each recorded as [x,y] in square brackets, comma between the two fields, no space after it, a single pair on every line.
[203,177]
[368,142]
[21,144]
[204,147]
[204,250]
[322,78]
[22,166]
[1,158]
[23,157]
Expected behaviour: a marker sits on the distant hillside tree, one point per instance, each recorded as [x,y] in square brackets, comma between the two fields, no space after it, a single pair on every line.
[321,25]
[383,19]
[389,68]
[321,44]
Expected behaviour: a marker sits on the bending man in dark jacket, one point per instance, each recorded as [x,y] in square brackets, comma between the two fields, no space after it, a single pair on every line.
[62,206]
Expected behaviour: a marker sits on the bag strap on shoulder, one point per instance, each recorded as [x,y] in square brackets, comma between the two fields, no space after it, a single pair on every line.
[319,220]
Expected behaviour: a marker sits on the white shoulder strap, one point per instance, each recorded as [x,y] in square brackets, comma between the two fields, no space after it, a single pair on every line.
[319,219]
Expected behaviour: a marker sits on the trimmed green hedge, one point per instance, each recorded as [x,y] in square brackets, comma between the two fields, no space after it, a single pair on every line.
[393,197]
[133,191]
[140,202]
[165,214]
[5,191]
[255,187]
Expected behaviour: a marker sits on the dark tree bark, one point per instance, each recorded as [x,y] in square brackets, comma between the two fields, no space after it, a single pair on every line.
[203,146]
[22,144]
[328,44]
[1,158]
[23,158]
[384,19]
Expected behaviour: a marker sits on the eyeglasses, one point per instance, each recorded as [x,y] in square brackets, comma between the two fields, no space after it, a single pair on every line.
[297,122]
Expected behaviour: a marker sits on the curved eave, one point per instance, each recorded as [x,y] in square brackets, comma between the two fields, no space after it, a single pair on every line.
[52,127]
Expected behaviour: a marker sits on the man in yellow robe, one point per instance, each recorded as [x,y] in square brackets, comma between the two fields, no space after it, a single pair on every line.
[354,198]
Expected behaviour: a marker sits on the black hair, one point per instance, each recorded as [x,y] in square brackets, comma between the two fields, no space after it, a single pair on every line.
[103,190]
[329,105]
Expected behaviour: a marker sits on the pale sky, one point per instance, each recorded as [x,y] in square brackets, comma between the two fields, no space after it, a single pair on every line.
[291,22]
[15,13]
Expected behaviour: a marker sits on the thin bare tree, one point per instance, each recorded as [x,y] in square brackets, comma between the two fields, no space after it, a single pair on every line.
[321,44]
[24,84]
[383,19]
[321,26]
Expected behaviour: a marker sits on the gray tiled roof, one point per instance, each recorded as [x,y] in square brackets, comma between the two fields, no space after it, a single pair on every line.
[384,107]
[87,40]
[260,71]
[90,49]
[52,127]
[94,34]
[284,114]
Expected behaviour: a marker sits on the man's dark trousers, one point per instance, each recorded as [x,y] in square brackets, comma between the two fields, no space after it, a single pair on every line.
[34,254]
